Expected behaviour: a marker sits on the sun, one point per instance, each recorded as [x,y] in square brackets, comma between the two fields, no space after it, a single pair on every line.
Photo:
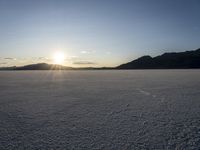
[59,58]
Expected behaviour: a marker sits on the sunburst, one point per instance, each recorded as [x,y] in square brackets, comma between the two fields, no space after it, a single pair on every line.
[59,58]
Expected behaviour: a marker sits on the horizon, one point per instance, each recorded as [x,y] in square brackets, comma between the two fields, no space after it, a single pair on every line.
[95,33]
[59,61]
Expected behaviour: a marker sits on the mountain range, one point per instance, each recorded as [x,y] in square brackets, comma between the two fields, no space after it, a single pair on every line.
[181,60]
[175,60]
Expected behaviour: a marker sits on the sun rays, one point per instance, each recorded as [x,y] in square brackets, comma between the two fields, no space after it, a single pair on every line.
[59,58]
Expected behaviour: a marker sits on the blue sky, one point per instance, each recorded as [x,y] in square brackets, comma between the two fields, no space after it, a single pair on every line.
[95,32]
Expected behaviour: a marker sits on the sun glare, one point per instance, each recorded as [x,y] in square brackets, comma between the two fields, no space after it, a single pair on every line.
[59,58]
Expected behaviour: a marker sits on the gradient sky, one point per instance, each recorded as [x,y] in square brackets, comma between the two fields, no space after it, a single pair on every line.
[95,32]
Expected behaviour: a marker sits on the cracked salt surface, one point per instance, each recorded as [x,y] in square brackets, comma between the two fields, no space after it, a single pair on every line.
[112,110]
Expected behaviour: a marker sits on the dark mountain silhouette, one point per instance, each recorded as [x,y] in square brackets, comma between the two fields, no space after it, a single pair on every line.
[181,60]
[43,66]
[39,66]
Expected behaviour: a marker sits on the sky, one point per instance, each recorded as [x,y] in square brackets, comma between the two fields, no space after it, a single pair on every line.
[95,32]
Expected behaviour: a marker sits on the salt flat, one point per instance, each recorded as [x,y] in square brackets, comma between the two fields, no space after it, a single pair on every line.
[112,110]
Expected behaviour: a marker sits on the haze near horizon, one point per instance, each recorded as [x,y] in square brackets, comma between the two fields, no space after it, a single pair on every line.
[93,32]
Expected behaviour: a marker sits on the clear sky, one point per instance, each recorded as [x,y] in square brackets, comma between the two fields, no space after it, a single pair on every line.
[95,32]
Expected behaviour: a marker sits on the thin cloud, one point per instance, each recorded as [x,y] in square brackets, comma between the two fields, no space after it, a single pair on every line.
[84,63]
[71,58]
[10,58]
[84,52]
[3,63]
[87,52]
[43,58]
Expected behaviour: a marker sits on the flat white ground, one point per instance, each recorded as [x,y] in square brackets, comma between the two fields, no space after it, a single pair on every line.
[112,110]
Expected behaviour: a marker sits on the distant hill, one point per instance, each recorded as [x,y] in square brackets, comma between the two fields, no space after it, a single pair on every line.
[181,60]
[39,66]
[45,66]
